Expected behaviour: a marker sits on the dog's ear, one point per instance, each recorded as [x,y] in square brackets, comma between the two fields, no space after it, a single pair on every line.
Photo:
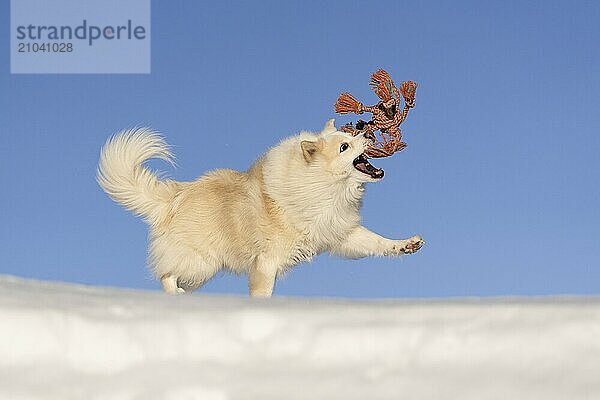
[309,149]
[329,127]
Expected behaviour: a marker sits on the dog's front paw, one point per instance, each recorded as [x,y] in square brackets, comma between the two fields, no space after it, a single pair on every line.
[407,246]
[413,244]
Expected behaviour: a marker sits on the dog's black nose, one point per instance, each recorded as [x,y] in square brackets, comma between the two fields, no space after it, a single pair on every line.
[369,135]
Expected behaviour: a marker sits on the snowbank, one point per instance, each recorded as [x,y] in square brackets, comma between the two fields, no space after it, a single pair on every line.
[61,341]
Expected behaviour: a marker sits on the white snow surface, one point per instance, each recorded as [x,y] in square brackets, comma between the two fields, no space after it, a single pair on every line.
[64,341]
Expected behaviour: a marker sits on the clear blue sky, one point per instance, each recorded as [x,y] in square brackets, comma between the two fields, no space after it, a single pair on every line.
[500,175]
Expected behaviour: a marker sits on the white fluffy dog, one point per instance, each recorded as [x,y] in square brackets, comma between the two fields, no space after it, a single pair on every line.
[300,199]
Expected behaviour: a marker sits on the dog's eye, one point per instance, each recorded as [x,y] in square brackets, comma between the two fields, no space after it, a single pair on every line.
[344,147]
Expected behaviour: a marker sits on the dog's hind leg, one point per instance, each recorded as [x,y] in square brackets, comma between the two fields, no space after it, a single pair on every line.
[169,284]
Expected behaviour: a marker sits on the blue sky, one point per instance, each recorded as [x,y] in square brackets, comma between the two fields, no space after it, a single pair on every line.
[500,175]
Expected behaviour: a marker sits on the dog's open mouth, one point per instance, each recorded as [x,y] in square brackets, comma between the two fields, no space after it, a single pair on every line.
[363,165]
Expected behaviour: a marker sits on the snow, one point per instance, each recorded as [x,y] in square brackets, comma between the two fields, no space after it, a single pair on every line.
[64,341]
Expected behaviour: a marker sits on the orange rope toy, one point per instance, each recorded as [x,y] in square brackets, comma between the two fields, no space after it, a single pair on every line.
[387,116]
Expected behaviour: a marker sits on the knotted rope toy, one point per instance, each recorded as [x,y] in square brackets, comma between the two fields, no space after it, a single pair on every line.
[387,116]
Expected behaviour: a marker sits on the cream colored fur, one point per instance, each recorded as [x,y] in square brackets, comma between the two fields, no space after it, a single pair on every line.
[298,200]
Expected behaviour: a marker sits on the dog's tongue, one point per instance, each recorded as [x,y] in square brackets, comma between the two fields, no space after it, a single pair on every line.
[364,166]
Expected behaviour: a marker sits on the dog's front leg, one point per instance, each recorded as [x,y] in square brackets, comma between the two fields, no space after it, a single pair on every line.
[361,242]
[261,279]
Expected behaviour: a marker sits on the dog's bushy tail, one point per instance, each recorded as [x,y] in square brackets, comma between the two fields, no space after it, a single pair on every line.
[124,178]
